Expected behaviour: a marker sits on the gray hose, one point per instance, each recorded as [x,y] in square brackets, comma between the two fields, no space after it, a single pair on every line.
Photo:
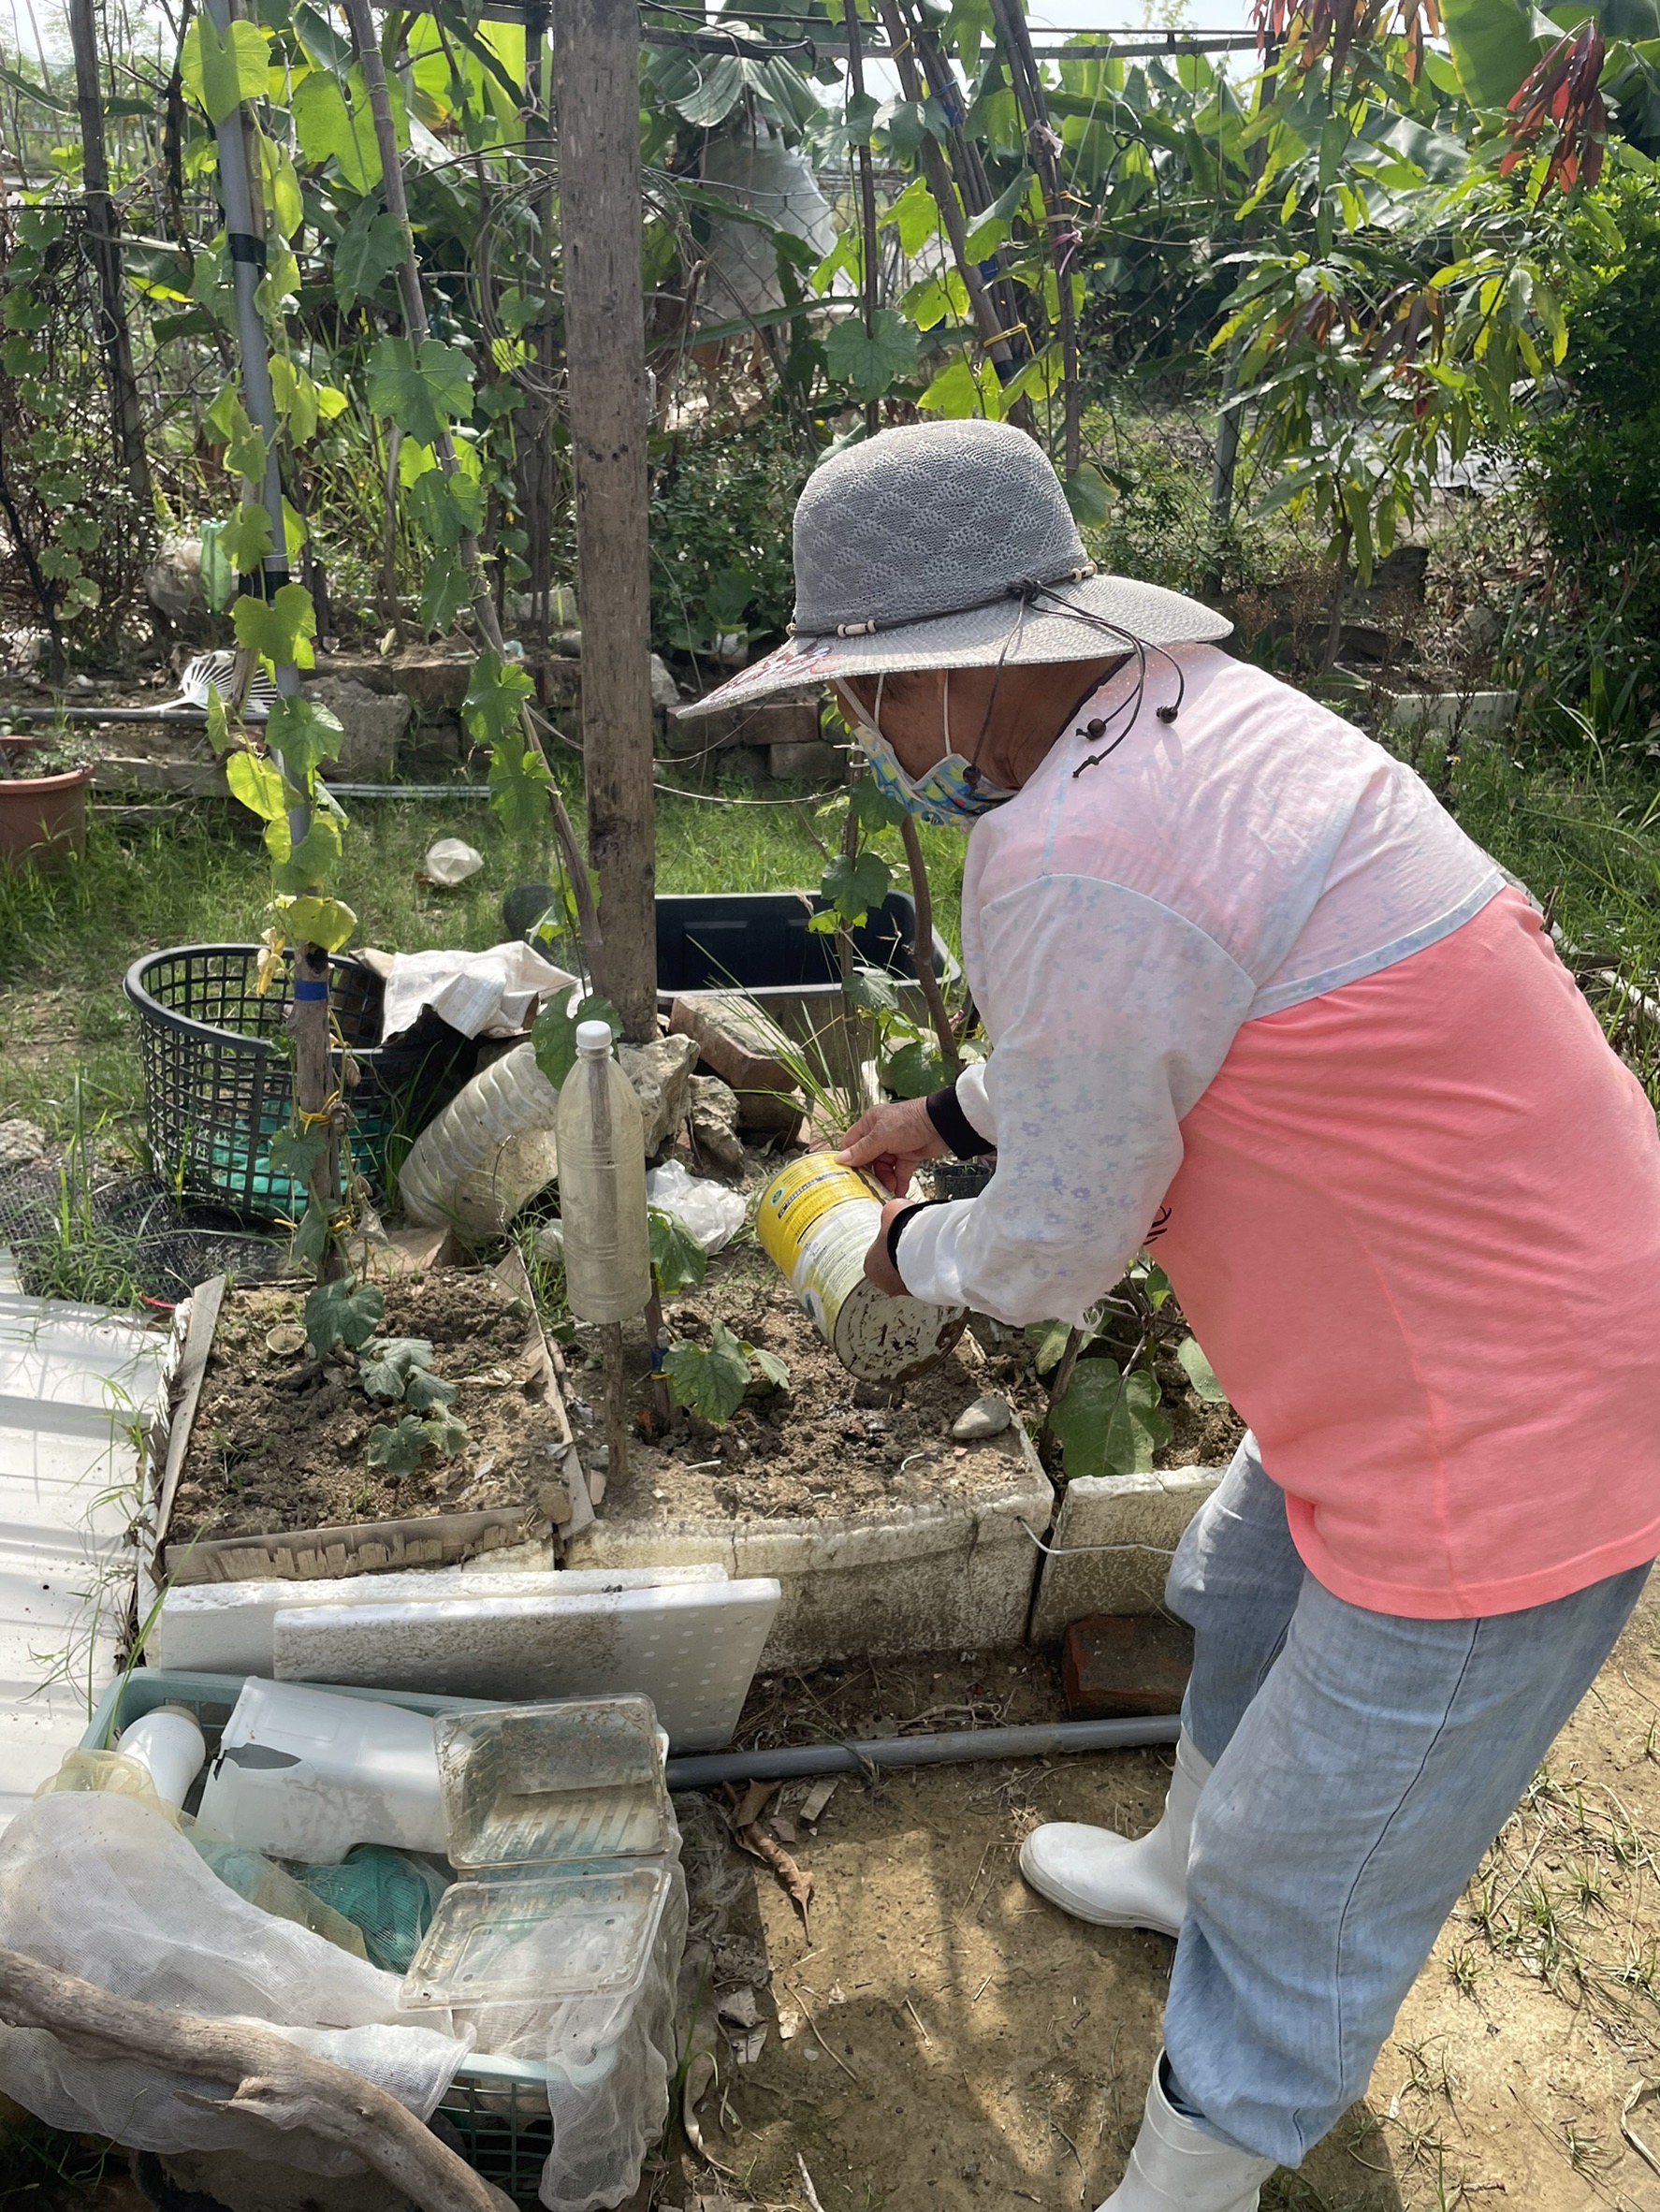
[960,1745]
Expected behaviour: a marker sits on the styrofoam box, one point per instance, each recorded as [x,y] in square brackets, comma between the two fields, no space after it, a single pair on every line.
[691,1648]
[225,1627]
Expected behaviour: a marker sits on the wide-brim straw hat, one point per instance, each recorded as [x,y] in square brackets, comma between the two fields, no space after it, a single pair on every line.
[950,545]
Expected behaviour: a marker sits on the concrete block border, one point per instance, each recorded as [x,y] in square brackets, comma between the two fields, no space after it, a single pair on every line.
[1146,1514]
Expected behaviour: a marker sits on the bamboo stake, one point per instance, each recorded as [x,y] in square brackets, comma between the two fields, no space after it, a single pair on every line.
[366,49]
[103,231]
[922,948]
[855,69]
[308,1017]
[1064,239]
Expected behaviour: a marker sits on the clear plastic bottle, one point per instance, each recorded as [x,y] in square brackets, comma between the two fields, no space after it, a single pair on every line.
[488,1154]
[601,1181]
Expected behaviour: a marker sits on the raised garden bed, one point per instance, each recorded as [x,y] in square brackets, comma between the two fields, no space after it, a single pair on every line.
[263,1468]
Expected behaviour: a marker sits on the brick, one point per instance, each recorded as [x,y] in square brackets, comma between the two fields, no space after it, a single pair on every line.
[1113,1663]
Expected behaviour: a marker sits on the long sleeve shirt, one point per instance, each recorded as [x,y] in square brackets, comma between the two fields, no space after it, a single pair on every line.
[1217,971]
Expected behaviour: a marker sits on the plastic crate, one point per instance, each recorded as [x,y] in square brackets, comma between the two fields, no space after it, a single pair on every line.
[218,1073]
[497,2107]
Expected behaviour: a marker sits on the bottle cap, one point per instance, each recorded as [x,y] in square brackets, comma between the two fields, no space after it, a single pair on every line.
[594,1037]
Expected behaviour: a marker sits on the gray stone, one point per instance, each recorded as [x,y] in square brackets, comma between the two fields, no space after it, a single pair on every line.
[664,691]
[813,763]
[661,1073]
[712,1118]
[987,1417]
[21,1142]
[173,580]
[373,723]
[1139,1520]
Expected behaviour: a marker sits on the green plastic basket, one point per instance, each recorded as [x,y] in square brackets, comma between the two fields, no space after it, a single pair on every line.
[497,2107]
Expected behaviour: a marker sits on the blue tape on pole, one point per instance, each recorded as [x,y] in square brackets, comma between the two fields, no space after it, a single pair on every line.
[303,989]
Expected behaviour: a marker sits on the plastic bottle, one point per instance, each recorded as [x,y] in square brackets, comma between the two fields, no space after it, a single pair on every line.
[602,1152]
[490,1150]
[168,1744]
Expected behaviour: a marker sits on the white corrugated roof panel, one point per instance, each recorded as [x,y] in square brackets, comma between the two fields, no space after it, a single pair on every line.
[76,1383]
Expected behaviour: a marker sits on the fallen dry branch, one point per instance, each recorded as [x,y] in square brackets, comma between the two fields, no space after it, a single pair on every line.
[268,2078]
[748,1833]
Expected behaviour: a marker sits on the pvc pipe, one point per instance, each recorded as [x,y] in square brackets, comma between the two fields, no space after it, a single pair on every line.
[1043,1740]
[168,1743]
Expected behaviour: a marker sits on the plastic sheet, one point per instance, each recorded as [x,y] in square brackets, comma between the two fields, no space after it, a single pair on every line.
[99,1885]
[713,1214]
[265,1884]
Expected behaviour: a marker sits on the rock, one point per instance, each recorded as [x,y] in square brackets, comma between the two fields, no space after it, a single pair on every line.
[661,1073]
[373,723]
[738,1049]
[712,1118]
[987,1417]
[21,1142]
[813,763]
[664,691]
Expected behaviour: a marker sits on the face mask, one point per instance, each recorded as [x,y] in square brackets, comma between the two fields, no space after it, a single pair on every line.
[948,794]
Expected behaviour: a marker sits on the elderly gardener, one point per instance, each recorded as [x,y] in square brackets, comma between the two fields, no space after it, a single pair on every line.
[1252,993]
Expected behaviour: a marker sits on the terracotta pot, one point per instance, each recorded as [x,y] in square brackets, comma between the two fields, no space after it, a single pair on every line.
[43,818]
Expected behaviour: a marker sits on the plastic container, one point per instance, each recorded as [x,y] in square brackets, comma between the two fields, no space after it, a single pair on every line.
[816,1221]
[490,1152]
[170,1748]
[563,1839]
[304,1774]
[602,1151]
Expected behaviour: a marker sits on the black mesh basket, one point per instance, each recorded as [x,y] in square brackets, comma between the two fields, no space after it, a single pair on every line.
[219,1073]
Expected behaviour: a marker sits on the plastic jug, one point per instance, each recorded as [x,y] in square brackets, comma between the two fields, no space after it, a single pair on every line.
[490,1152]
[170,1748]
[303,1774]
[602,1154]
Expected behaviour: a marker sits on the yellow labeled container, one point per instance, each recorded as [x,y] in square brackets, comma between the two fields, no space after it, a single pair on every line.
[816,1222]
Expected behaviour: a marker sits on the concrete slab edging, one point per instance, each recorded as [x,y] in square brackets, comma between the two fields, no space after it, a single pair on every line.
[1145,1514]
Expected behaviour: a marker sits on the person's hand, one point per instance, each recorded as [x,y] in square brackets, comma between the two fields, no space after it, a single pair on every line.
[892,1141]
[879,1267]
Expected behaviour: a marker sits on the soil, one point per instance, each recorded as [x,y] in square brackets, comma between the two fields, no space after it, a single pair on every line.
[280,1443]
[829,1445]
[938,2036]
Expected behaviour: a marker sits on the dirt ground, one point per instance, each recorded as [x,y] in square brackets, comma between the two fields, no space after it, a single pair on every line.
[953,2042]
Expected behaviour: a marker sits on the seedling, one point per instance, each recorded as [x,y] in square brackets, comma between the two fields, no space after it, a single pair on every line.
[712,1381]
[342,1312]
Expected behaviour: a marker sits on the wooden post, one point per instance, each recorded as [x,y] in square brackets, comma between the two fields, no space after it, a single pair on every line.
[103,235]
[596,62]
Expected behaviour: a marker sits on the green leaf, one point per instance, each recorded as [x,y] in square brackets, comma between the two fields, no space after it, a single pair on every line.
[709,1380]
[1200,1371]
[554,1035]
[421,393]
[307,865]
[301,735]
[1051,1340]
[244,447]
[219,579]
[279,629]
[871,360]
[294,1152]
[370,249]
[872,809]
[296,397]
[329,130]
[773,1371]
[915,1071]
[246,538]
[873,990]
[445,590]
[312,921]
[255,781]
[311,1238]
[447,508]
[915,215]
[218,722]
[1088,496]
[678,1261]
[446,1433]
[280,186]
[341,1312]
[1109,1424]
[856,883]
[220,74]
[399,1450]
[423,1391]
[958,392]
[1494,46]
[392,1361]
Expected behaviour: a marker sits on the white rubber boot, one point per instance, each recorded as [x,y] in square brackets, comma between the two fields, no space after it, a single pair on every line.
[1176,2167]
[1111,1880]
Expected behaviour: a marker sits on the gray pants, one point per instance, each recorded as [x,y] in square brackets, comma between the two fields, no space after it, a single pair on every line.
[1364,1764]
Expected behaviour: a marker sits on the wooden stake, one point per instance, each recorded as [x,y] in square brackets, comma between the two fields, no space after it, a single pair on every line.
[856,71]
[596,58]
[267,2077]
[103,233]
[615,1401]
[922,948]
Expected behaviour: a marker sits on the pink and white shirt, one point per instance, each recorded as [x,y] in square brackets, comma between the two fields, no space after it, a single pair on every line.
[1248,972]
